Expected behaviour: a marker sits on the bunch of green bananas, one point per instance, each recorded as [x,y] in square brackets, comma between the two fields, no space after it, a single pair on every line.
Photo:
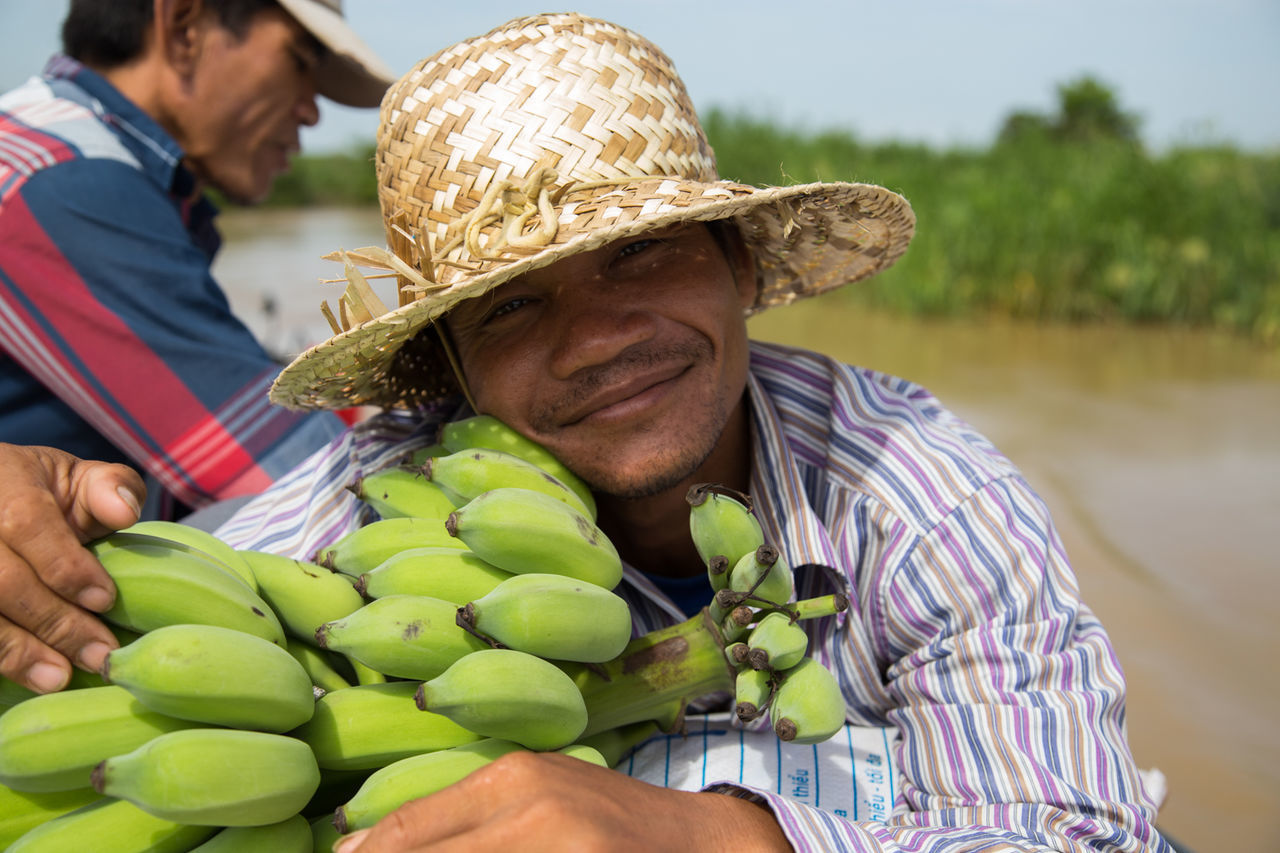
[263,702]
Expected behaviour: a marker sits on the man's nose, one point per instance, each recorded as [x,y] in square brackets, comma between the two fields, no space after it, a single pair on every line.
[596,328]
[307,109]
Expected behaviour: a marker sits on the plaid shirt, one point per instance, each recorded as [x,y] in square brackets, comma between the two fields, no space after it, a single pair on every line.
[965,634]
[115,341]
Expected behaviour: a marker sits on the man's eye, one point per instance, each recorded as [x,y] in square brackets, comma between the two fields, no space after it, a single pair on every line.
[506,308]
[635,248]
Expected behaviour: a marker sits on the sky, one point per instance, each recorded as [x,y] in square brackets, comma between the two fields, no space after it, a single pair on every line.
[941,72]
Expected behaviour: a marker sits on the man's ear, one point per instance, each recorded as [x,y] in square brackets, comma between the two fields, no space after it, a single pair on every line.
[743,264]
[177,26]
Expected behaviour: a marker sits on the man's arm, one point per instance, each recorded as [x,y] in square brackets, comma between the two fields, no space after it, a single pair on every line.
[110,305]
[52,504]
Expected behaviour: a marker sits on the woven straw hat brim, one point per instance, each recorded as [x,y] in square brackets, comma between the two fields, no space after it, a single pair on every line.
[807,239]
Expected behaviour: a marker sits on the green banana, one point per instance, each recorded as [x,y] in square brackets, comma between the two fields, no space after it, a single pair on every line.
[303,595]
[762,575]
[159,582]
[488,431]
[109,825]
[751,691]
[291,835]
[52,742]
[405,636]
[214,675]
[736,654]
[373,725]
[721,525]
[469,472]
[508,694]
[364,548]
[22,811]
[403,492]
[453,574]
[422,454]
[520,530]
[324,834]
[808,706]
[201,540]
[616,744]
[552,616]
[319,665]
[584,752]
[776,642]
[214,777]
[417,776]
[365,674]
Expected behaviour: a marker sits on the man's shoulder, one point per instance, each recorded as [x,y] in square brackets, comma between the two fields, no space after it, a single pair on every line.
[45,123]
[876,434]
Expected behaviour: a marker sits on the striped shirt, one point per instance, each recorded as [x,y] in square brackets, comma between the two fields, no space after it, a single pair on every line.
[965,633]
[115,341]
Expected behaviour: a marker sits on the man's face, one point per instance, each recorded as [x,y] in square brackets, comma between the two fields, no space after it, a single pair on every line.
[626,362]
[245,100]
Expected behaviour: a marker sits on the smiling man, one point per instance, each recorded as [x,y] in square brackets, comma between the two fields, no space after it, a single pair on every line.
[115,341]
[569,261]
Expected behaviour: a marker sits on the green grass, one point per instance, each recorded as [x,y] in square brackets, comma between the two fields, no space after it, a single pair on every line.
[1034,226]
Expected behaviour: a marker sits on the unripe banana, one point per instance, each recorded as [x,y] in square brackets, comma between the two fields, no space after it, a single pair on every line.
[488,431]
[525,531]
[406,636]
[318,664]
[214,675]
[291,835]
[373,725]
[403,492]
[22,811]
[736,654]
[584,752]
[616,744]
[422,454]
[508,694]
[109,825]
[364,548]
[453,574]
[324,834]
[721,525]
[201,540]
[776,642]
[552,616]
[303,595]
[808,706]
[763,574]
[417,776]
[52,742]
[468,473]
[751,690]
[160,583]
[214,777]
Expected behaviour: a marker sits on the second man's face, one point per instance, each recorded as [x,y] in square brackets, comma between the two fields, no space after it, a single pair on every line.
[247,99]
[626,361]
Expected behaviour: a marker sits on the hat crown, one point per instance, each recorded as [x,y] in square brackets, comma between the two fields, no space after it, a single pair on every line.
[588,99]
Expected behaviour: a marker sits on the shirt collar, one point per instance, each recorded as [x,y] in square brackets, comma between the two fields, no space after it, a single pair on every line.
[158,154]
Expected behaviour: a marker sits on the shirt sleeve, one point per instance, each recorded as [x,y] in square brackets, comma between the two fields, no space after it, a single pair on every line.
[111,307]
[1006,692]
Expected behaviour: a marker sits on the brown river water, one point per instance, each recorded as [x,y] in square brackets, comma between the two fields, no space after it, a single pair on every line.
[1158,451]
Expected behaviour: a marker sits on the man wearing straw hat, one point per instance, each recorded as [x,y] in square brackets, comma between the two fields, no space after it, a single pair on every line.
[567,259]
[115,341]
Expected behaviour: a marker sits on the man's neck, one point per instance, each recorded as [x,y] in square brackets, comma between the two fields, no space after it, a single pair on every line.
[652,533]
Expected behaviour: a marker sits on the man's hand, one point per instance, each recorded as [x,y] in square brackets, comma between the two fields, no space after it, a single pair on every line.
[535,802]
[50,504]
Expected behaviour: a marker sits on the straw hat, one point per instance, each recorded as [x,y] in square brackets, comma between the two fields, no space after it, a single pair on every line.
[549,136]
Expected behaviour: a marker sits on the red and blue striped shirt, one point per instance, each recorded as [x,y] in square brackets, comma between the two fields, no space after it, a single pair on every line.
[115,341]
[966,634]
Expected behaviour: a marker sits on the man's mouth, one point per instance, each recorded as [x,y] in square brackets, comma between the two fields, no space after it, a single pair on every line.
[624,399]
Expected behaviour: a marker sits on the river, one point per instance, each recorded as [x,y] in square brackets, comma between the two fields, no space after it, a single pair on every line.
[1157,450]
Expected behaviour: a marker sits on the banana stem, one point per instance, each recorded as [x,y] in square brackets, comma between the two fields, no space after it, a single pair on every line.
[816,608]
[672,665]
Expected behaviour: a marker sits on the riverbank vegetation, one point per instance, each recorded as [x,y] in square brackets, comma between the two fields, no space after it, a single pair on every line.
[1065,217]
